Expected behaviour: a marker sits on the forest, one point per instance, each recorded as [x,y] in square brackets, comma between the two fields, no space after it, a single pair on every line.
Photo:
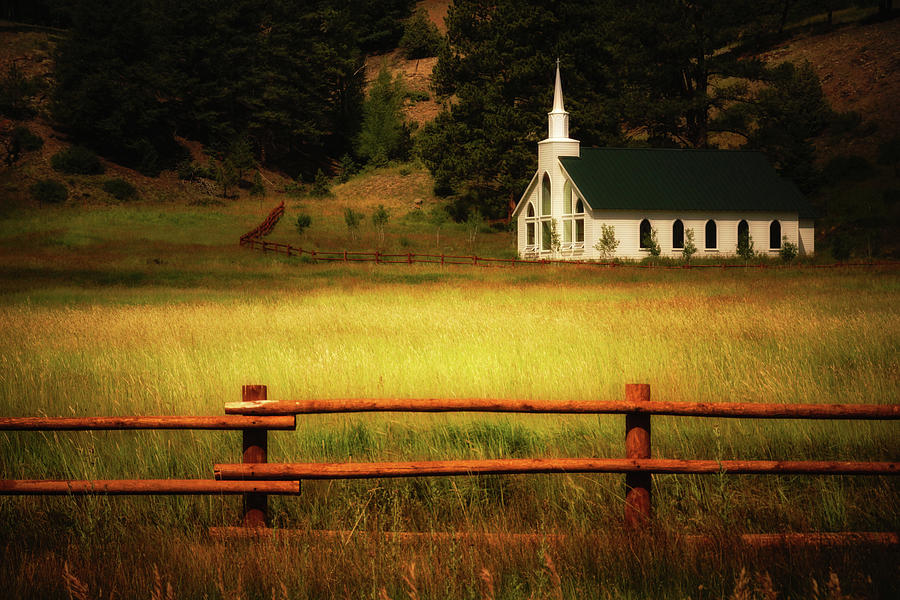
[282,85]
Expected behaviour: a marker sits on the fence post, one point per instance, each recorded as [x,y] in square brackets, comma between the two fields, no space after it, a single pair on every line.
[255,448]
[638,507]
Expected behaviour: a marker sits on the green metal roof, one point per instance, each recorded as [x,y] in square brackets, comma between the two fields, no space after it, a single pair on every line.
[676,179]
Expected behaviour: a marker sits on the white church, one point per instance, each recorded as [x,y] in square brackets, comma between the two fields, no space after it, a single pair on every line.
[718,194]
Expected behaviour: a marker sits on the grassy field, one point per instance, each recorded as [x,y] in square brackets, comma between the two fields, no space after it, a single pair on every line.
[153,309]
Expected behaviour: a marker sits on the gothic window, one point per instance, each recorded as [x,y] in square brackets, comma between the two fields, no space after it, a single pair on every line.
[644,234]
[530,212]
[743,235]
[579,207]
[678,234]
[711,235]
[545,195]
[775,235]
[567,197]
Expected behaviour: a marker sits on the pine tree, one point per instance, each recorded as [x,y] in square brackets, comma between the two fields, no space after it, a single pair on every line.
[384,135]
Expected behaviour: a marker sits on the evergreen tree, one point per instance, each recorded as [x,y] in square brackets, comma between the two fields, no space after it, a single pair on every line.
[384,135]
[108,92]
[498,66]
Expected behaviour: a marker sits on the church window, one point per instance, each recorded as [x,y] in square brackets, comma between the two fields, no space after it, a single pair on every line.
[567,231]
[546,237]
[743,234]
[567,197]
[579,207]
[545,195]
[529,228]
[678,235]
[579,232]
[775,235]
[530,210]
[711,235]
[644,234]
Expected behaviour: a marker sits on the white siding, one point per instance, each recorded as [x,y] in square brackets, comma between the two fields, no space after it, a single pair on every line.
[627,226]
[807,237]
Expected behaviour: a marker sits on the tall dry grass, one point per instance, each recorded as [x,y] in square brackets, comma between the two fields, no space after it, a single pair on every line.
[797,336]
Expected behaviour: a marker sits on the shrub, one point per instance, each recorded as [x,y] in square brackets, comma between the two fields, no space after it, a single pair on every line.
[651,243]
[788,250]
[303,223]
[745,247]
[76,160]
[352,219]
[415,96]
[421,37]
[607,243]
[27,141]
[321,186]
[257,188]
[380,218]
[119,189]
[474,224]
[689,247]
[49,191]
[188,170]
[348,168]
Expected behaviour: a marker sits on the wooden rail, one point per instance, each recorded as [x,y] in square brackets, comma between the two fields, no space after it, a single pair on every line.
[144,422]
[372,470]
[132,487]
[687,409]
[254,478]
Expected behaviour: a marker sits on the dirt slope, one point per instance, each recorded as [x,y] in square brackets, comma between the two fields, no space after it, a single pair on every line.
[858,66]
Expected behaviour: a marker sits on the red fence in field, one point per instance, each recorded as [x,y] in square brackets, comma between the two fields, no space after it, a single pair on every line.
[255,478]
[266,227]
[410,258]
[253,240]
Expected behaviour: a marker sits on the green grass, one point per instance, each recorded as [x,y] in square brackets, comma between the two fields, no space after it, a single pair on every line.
[96,326]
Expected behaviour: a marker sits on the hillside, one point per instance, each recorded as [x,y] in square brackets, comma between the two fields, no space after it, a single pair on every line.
[855,63]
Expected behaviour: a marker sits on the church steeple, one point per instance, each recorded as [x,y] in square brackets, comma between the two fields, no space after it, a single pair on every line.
[558,117]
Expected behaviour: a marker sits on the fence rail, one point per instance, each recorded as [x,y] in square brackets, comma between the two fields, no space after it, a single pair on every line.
[687,409]
[288,471]
[228,422]
[410,258]
[253,240]
[138,487]
[255,478]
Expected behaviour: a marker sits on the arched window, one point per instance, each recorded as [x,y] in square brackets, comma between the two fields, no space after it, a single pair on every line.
[579,207]
[567,197]
[743,235]
[711,235]
[530,212]
[678,234]
[775,235]
[546,236]
[645,234]
[545,195]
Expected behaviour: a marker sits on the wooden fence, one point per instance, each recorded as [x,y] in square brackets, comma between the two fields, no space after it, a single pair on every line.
[255,478]
[410,258]
[266,227]
[253,240]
